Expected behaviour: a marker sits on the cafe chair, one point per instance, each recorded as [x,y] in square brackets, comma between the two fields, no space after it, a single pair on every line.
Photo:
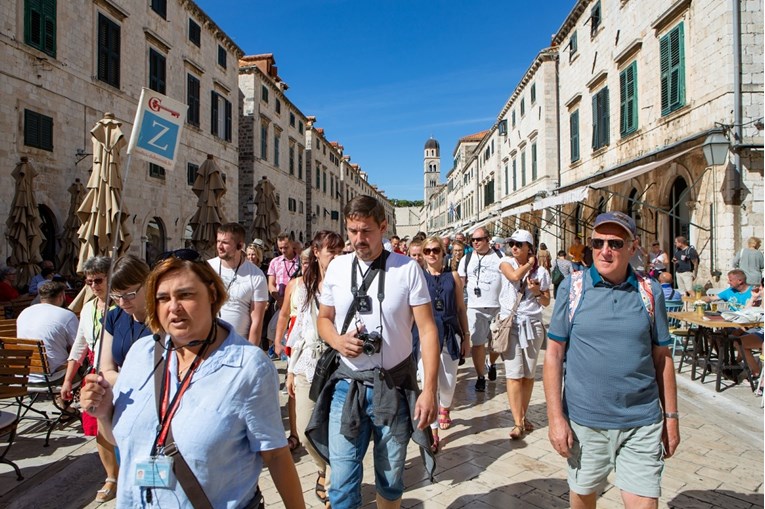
[676,329]
[14,375]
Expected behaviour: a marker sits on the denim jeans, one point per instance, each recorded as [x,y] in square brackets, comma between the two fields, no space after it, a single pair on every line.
[347,454]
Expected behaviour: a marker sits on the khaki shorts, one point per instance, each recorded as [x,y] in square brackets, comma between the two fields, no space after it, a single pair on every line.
[635,454]
[479,320]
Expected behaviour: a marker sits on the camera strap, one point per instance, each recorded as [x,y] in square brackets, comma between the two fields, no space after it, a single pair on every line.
[378,266]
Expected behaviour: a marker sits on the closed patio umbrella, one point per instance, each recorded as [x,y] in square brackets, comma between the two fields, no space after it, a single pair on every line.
[209,188]
[99,212]
[70,242]
[25,236]
[265,225]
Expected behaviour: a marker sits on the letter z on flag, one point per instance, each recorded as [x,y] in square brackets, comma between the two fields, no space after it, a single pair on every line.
[157,128]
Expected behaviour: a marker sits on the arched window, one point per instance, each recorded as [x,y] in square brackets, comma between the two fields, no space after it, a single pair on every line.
[155,239]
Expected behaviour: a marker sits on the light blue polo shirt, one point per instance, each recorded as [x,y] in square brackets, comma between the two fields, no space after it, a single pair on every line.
[610,378]
[734,298]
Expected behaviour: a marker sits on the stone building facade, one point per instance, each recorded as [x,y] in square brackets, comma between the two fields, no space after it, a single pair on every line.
[67,63]
[626,105]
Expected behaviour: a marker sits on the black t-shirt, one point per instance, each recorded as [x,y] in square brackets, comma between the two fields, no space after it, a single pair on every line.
[684,258]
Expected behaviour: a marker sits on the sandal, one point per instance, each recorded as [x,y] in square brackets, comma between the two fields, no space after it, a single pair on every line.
[293,442]
[527,426]
[517,432]
[436,444]
[444,422]
[106,494]
[321,488]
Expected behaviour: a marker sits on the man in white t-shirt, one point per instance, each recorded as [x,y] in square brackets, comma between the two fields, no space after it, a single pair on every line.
[483,280]
[405,300]
[245,283]
[49,322]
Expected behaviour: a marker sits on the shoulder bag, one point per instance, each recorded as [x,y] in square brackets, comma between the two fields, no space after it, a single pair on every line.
[500,328]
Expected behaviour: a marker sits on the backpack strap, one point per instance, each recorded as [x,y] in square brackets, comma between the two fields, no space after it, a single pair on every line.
[575,292]
[646,295]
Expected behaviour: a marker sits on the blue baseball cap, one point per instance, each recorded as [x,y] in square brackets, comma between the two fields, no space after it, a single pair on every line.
[619,219]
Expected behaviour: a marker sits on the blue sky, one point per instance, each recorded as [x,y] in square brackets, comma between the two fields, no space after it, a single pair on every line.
[384,76]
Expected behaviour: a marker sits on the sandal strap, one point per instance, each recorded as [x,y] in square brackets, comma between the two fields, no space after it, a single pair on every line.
[111,480]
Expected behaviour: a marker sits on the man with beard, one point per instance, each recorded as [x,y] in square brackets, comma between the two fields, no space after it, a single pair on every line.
[245,283]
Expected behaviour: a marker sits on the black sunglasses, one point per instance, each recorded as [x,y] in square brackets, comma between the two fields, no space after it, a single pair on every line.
[434,250]
[513,243]
[612,243]
[478,239]
[185,254]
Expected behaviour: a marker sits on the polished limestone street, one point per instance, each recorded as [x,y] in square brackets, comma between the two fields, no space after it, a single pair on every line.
[719,463]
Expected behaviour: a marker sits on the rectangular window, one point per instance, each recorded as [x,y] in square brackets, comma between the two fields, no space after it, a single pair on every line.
[300,164]
[507,181]
[672,49]
[264,141]
[228,120]
[533,162]
[292,119]
[193,100]
[332,187]
[278,107]
[595,18]
[628,99]
[513,115]
[573,46]
[277,139]
[264,93]
[191,173]
[523,107]
[38,130]
[600,119]
[523,169]
[318,176]
[533,93]
[324,180]
[300,207]
[160,7]
[292,160]
[214,113]
[300,127]
[156,171]
[573,124]
[40,25]
[108,51]
[157,71]
[195,33]
[222,56]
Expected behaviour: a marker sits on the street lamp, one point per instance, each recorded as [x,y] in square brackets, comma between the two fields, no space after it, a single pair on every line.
[716,148]
[250,205]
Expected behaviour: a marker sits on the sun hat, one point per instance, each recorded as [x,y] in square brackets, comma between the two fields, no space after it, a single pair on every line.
[522,236]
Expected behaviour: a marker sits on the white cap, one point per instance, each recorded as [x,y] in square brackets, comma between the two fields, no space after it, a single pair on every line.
[497,240]
[522,236]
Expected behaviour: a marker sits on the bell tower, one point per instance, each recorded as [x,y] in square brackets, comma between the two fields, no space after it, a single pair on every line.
[432,167]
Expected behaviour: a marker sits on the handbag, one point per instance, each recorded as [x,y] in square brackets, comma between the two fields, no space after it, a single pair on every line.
[557,276]
[500,328]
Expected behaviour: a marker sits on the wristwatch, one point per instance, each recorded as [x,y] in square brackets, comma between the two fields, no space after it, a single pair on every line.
[671,415]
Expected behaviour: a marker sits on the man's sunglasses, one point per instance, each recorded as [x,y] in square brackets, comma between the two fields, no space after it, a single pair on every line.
[185,254]
[434,250]
[613,244]
[513,243]
[478,239]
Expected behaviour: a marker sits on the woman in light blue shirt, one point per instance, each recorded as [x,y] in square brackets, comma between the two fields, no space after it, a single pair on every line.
[218,394]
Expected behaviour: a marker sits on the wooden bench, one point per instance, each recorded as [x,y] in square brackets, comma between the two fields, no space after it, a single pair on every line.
[14,373]
[50,385]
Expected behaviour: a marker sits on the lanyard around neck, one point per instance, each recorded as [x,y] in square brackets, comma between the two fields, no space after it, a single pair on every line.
[378,266]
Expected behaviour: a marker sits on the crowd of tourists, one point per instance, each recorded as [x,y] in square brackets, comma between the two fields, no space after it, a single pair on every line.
[183,397]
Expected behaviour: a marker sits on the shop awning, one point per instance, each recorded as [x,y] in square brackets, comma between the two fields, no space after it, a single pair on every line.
[575,195]
[637,170]
[516,211]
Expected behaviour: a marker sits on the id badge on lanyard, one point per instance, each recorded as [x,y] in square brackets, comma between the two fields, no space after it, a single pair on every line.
[155,472]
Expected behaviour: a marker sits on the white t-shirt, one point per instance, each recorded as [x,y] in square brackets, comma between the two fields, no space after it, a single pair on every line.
[529,306]
[55,326]
[484,273]
[244,287]
[405,286]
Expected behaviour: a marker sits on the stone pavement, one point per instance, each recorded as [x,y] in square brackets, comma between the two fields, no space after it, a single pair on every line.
[719,463]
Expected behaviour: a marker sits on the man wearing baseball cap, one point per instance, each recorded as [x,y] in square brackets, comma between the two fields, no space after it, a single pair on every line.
[620,406]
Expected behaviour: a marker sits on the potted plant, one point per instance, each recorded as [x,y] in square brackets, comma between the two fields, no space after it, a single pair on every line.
[698,290]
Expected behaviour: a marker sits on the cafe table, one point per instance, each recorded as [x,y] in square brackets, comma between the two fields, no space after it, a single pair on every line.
[714,332]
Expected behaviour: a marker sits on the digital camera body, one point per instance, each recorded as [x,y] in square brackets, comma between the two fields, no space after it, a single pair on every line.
[372,342]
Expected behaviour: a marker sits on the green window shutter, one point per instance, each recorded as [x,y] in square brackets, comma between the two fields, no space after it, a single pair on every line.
[214,113]
[605,124]
[49,27]
[574,128]
[595,121]
[672,49]
[533,162]
[628,99]
[40,25]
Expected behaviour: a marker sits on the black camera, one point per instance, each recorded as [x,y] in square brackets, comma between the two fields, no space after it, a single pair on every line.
[372,342]
[438,304]
[477,291]
[364,304]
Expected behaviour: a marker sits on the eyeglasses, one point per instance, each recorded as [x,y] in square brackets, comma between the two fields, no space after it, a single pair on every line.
[97,281]
[513,243]
[478,239]
[185,254]
[613,244]
[431,250]
[127,297]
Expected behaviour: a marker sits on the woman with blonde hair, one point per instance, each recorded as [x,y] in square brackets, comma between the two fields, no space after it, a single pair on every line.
[750,260]
[446,293]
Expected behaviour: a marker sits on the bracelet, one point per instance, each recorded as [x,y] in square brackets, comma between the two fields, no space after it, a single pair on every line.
[671,415]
